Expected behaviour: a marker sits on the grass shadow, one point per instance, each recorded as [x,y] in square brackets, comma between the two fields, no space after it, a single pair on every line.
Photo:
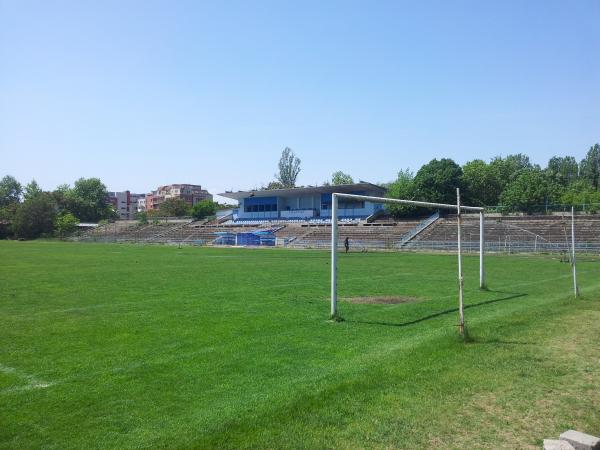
[442,313]
[496,341]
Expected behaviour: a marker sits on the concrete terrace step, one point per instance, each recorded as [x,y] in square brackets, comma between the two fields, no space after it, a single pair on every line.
[581,441]
[556,444]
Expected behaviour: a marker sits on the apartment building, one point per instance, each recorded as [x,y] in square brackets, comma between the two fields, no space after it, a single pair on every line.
[125,203]
[190,193]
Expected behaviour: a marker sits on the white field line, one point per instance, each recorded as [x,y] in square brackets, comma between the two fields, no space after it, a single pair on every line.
[32,381]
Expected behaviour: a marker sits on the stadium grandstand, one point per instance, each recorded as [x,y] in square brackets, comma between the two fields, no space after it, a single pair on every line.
[304,204]
[510,234]
[301,218]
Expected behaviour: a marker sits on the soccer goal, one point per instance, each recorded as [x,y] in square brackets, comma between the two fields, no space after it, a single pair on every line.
[457,207]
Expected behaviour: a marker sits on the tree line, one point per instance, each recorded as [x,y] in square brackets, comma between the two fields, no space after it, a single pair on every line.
[509,184]
[177,207]
[28,212]
[505,184]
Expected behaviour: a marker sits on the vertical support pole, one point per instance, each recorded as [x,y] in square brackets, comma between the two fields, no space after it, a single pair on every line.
[481,250]
[334,239]
[573,261]
[460,272]
[535,244]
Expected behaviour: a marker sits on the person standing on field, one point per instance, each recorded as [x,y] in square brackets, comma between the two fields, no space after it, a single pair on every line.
[347,244]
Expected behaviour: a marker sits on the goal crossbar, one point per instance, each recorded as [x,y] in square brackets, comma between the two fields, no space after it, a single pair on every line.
[456,207]
[409,202]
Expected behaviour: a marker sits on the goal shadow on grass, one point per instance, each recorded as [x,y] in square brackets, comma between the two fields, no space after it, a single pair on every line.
[512,296]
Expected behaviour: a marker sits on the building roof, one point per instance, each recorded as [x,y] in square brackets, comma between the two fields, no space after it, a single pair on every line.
[342,188]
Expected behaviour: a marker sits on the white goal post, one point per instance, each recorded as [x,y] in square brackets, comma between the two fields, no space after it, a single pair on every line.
[457,207]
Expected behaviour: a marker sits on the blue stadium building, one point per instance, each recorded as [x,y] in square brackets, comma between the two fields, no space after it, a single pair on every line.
[312,204]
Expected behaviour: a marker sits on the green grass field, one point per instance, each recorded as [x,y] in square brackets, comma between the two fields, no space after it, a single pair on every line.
[119,346]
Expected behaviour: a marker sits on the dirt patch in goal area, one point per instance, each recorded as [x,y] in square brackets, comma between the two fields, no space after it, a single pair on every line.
[380,300]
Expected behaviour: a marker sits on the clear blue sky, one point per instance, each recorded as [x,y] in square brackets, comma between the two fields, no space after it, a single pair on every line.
[143,93]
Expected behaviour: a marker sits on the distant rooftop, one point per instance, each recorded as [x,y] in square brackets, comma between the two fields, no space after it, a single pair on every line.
[342,188]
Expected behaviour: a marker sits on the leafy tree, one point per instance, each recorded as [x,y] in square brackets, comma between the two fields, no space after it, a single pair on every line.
[274,185]
[10,191]
[31,190]
[63,188]
[88,200]
[530,192]
[437,181]
[518,161]
[60,195]
[507,169]
[7,213]
[174,207]
[563,169]
[142,217]
[35,217]
[6,230]
[482,183]
[289,168]
[402,188]
[10,195]
[340,177]
[204,209]
[581,192]
[590,166]
[221,206]
[65,223]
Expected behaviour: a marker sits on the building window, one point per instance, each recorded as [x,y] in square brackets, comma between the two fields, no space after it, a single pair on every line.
[351,204]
